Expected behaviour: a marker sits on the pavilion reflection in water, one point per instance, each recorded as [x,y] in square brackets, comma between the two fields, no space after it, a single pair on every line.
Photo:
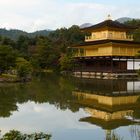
[110,103]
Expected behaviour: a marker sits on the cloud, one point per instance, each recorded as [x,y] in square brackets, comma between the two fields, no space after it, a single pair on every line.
[32,117]
[18,2]
[31,15]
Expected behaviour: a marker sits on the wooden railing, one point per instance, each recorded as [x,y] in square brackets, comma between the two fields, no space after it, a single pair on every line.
[94,38]
[108,70]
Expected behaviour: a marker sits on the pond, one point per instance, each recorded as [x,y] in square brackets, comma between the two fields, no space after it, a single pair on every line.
[72,108]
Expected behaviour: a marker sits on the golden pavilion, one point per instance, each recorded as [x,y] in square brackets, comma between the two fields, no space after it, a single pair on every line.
[109,50]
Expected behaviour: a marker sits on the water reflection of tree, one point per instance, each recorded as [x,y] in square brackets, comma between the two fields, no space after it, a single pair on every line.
[53,89]
[112,135]
[57,90]
[7,101]
[135,132]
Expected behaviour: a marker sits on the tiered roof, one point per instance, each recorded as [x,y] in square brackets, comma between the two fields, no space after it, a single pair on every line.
[105,41]
[109,24]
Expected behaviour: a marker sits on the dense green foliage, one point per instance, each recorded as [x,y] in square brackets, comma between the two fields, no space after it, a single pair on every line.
[17,135]
[66,63]
[135,23]
[136,33]
[40,52]
[24,69]
[7,58]
[47,52]
[14,34]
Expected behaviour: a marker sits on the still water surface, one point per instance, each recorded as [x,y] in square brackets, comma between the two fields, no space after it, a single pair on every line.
[72,109]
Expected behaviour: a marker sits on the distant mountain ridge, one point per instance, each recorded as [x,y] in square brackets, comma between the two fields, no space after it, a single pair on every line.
[124,19]
[121,20]
[85,25]
[14,33]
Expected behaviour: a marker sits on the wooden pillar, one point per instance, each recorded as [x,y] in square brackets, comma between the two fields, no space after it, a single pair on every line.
[127,64]
[105,65]
[111,64]
[119,64]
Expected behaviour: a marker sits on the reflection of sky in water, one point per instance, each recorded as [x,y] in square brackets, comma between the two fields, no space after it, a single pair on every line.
[133,86]
[63,125]
[33,117]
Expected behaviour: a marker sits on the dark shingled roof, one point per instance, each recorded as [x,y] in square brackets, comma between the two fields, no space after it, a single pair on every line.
[105,41]
[111,24]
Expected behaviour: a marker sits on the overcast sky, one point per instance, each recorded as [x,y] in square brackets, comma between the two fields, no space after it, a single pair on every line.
[31,15]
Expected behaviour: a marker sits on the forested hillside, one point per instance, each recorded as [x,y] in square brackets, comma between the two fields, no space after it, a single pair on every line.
[46,51]
[14,34]
[42,52]
[135,23]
